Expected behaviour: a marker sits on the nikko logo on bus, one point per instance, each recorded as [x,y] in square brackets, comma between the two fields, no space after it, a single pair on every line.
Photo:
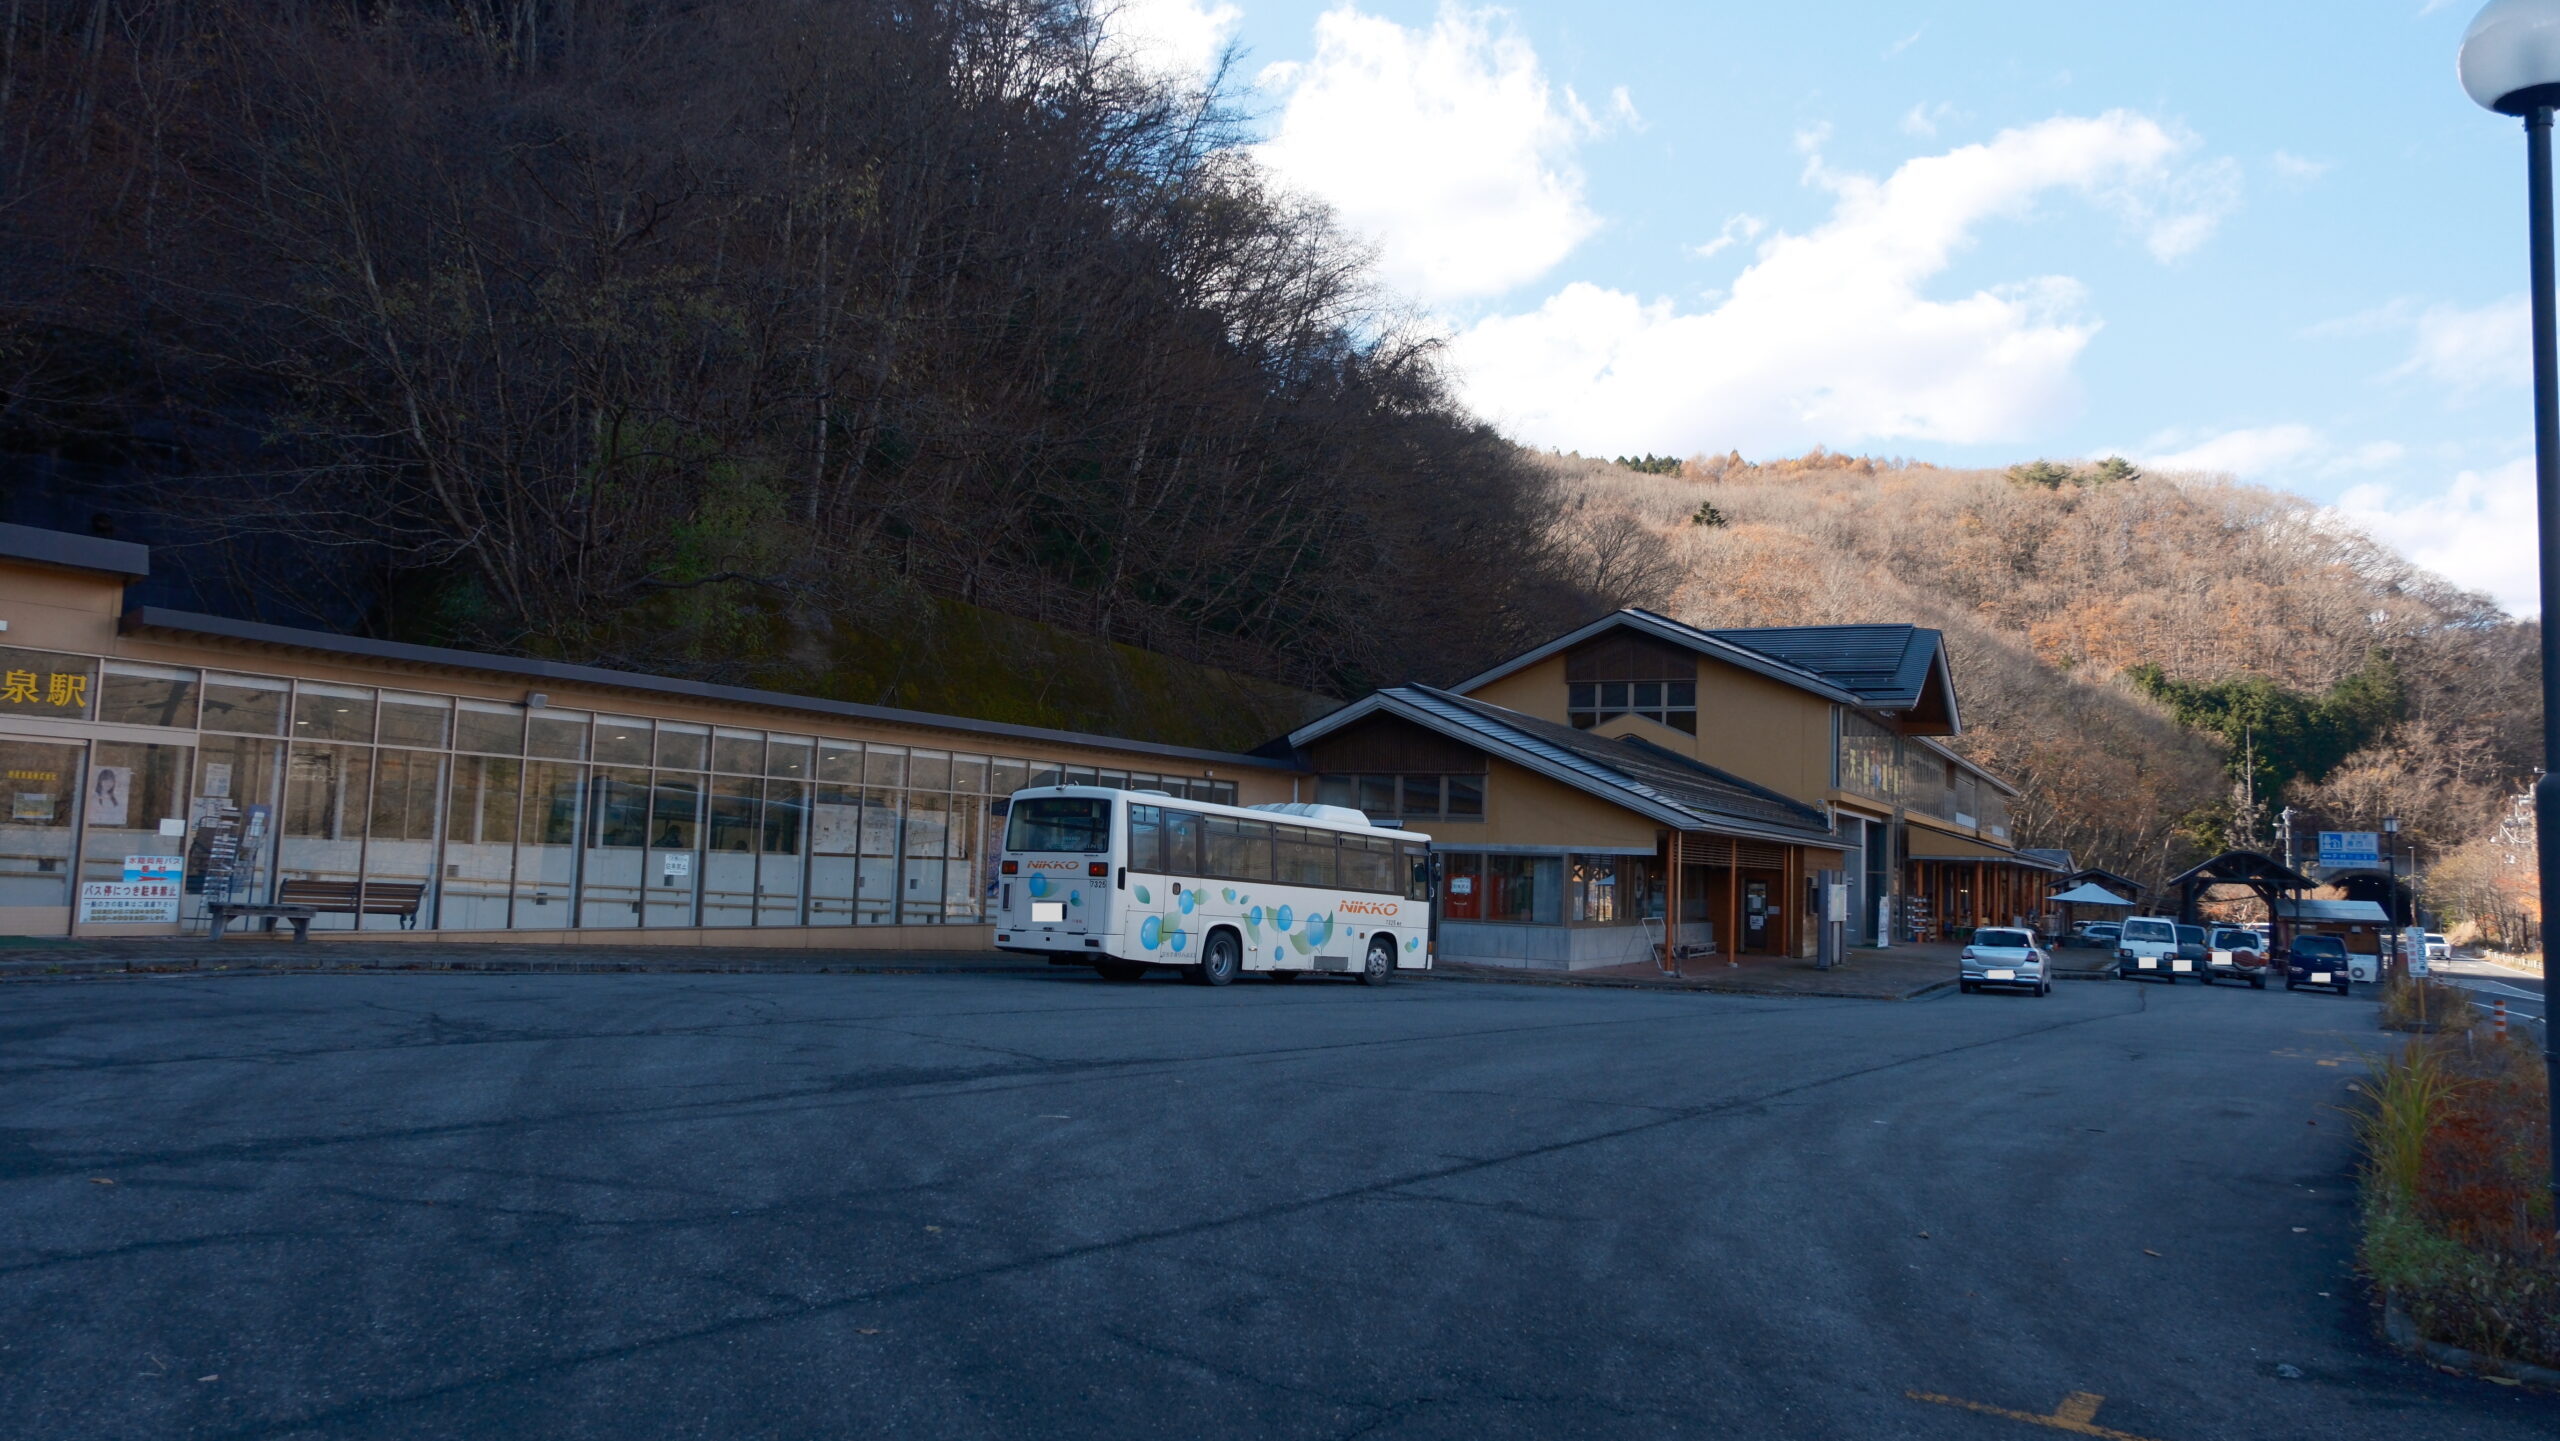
[1055,865]
[1370,908]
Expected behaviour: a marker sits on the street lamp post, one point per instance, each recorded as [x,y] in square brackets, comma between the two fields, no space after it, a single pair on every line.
[2510,63]
[2391,893]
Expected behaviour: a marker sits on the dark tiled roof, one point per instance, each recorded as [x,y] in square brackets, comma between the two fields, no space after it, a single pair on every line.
[1883,665]
[1710,796]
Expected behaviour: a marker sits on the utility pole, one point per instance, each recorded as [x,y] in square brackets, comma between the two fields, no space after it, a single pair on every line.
[2286,821]
[2391,895]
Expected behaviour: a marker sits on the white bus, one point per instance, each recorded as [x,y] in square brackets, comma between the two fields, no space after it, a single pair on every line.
[1127,880]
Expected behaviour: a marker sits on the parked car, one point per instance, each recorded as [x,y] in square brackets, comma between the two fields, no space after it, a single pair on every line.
[2317,961]
[2148,949]
[2236,954]
[2099,934]
[2000,956]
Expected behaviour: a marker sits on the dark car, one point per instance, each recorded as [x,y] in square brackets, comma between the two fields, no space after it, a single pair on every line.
[2319,961]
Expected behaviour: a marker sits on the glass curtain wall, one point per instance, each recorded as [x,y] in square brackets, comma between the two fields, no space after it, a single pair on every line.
[492,815]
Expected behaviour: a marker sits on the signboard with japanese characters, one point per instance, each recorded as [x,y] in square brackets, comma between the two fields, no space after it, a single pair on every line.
[128,903]
[154,868]
[2350,848]
[40,683]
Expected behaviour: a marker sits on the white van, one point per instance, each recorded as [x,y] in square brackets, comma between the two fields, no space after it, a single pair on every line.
[2147,949]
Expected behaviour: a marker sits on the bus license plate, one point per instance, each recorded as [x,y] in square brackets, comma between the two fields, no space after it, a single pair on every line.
[1049,911]
[1999,975]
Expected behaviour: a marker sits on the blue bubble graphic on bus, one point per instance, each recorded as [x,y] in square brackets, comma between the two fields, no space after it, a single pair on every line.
[1151,935]
[1284,918]
[1187,902]
[1075,898]
[1413,943]
[1144,899]
[1229,893]
[1038,885]
[1181,939]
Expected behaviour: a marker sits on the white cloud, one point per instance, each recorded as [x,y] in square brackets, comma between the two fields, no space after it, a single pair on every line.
[2248,454]
[1622,110]
[1924,118]
[1446,146]
[2295,168]
[1829,336]
[1736,229]
[1905,43]
[2477,532]
[2277,454]
[1178,37]
[2468,351]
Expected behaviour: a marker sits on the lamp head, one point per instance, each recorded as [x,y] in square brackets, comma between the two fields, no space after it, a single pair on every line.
[2510,60]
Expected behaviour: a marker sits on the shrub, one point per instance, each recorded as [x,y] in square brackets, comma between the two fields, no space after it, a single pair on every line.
[2414,1003]
[2458,1222]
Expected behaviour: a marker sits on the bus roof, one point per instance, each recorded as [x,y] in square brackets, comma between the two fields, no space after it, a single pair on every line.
[1252,813]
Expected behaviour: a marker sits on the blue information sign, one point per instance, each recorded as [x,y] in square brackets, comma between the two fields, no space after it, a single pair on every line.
[2350,848]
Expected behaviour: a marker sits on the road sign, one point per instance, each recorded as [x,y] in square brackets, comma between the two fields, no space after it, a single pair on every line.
[2350,848]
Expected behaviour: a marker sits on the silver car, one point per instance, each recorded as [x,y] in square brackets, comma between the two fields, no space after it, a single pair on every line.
[2006,957]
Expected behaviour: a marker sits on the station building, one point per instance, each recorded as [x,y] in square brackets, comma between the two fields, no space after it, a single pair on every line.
[1577,796]
[1638,768]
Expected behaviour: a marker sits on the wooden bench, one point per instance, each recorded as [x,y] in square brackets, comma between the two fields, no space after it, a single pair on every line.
[297,901]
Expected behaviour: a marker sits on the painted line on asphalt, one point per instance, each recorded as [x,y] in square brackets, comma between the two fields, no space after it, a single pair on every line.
[2078,1413]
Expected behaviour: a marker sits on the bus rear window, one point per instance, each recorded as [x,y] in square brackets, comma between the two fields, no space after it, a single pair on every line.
[1059,823]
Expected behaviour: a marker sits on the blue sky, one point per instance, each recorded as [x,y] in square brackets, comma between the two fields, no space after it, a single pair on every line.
[2272,240]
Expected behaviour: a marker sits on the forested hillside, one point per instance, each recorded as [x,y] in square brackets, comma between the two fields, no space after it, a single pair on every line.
[2163,661]
[685,336]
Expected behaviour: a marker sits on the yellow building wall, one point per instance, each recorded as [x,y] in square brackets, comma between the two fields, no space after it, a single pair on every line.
[1759,729]
[1524,808]
[50,609]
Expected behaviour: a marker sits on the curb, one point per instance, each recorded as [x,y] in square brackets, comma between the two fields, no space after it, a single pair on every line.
[508,965]
[1623,983]
[2404,1334]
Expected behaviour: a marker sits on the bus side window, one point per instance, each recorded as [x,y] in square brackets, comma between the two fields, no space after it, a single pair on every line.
[1181,843]
[1369,865]
[1146,838]
[1418,873]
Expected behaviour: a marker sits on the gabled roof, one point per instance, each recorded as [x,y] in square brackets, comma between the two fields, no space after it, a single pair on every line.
[2244,868]
[1887,667]
[1667,629]
[1645,778]
[1879,667]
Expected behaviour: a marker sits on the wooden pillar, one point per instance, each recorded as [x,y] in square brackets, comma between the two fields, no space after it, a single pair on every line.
[1733,900]
[1671,903]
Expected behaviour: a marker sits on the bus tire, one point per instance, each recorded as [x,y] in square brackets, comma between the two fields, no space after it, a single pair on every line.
[1220,958]
[1380,967]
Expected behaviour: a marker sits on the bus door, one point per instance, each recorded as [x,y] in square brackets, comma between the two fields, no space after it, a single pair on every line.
[1151,890]
[1177,906]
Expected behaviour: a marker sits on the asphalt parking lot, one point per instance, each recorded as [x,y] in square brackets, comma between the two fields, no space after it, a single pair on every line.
[685,1205]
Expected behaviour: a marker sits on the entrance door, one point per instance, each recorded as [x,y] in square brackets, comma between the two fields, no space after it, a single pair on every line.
[1759,924]
[39,815]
